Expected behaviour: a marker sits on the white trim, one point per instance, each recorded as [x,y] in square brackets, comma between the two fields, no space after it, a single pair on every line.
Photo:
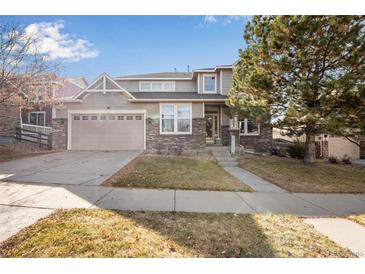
[44,117]
[245,128]
[103,76]
[215,83]
[198,83]
[108,111]
[175,132]
[203,110]
[158,82]
[220,82]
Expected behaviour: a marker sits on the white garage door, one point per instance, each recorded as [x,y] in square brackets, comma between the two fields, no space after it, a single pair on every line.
[107,131]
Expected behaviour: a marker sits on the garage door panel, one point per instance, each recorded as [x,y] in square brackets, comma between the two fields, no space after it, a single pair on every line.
[107,134]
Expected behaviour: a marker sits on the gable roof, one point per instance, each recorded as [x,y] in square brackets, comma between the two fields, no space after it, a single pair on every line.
[103,83]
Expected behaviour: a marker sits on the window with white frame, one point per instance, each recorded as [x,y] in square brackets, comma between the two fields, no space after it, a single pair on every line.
[209,83]
[249,127]
[37,118]
[156,86]
[175,118]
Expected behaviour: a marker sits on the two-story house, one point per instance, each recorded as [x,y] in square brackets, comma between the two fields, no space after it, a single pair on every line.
[159,112]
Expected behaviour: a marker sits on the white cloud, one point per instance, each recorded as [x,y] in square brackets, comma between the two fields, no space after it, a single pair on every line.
[51,41]
[210,19]
[224,20]
[232,19]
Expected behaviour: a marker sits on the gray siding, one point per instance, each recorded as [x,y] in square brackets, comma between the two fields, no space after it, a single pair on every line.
[117,101]
[226,80]
[180,85]
[131,86]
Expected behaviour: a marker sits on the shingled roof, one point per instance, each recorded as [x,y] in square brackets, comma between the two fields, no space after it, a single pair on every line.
[167,75]
[176,96]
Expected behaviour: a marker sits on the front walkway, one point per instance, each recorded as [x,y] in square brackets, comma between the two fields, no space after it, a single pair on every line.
[230,164]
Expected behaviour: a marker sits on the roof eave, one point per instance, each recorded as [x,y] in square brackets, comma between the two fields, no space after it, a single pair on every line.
[176,100]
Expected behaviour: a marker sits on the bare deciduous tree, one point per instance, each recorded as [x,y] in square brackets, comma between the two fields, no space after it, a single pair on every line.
[23,69]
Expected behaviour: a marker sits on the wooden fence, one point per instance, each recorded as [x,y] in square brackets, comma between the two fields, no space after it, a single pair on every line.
[42,139]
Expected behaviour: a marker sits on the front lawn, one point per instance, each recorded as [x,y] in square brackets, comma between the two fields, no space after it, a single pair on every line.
[360,219]
[175,172]
[106,233]
[296,176]
[14,152]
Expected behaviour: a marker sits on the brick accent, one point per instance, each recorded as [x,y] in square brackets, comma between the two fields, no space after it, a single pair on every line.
[59,135]
[9,119]
[260,143]
[175,144]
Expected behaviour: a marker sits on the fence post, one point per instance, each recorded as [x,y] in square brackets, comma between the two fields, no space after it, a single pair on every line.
[40,139]
[49,140]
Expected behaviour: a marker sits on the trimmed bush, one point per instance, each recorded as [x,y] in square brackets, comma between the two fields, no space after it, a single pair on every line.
[333,160]
[297,150]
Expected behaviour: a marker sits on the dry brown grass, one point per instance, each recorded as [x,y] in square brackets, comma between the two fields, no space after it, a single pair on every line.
[296,176]
[18,151]
[106,233]
[175,172]
[360,219]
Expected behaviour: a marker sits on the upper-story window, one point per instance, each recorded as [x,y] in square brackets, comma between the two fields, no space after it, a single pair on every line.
[156,86]
[209,83]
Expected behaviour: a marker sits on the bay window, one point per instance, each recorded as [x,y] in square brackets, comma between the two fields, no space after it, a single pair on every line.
[249,127]
[175,119]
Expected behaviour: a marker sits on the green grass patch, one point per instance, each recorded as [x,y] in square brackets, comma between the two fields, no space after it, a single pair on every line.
[296,176]
[174,172]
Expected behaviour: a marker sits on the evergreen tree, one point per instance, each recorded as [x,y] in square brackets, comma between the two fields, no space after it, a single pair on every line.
[308,72]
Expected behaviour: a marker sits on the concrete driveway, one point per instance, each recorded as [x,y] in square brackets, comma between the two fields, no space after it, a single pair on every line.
[67,168]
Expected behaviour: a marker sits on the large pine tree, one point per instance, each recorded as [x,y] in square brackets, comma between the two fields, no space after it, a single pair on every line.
[307,71]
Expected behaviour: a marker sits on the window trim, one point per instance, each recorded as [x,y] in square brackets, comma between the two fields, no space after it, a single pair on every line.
[175,132]
[215,83]
[245,120]
[37,112]
[158,82]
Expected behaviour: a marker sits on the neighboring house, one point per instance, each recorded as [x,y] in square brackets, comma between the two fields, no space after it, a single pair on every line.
[41,113]
[170,112]
[327,145]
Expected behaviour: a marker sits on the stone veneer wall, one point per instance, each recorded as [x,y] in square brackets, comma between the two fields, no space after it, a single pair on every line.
[260,143]
[226,137]
[59,136]
[175,144]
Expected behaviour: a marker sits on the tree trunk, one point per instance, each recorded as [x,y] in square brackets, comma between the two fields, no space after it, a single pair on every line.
[310,149]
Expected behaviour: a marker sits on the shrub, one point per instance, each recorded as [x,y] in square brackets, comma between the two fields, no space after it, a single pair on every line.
[333,160]
[346,160]
[297,150]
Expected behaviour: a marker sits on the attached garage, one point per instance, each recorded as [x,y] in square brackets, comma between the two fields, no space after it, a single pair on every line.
[110,130]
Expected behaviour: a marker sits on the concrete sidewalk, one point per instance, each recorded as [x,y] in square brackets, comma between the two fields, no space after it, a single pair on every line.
[76,196]
[21,204]
[345,233]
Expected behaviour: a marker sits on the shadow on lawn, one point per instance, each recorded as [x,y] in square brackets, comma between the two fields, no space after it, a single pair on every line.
[208,235]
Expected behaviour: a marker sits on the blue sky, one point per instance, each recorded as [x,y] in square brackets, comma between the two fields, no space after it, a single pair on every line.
[120,45]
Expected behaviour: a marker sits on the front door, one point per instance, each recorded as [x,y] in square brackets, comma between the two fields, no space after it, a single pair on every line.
[212,126]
